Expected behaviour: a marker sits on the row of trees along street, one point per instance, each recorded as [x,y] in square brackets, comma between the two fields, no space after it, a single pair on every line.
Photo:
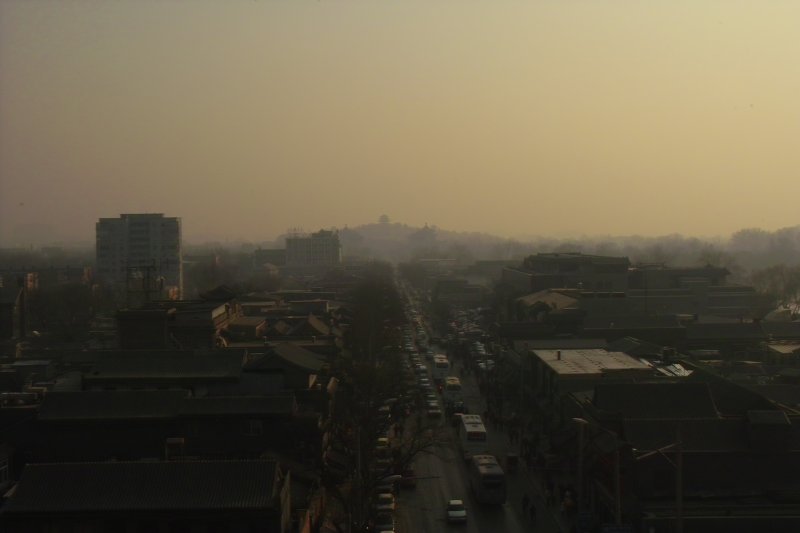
[371,375]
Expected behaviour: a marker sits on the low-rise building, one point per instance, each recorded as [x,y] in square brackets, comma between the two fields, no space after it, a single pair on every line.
[696,454]
[153,496]
[559,372]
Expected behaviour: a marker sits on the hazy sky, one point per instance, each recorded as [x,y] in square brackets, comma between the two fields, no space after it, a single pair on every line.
[530,117]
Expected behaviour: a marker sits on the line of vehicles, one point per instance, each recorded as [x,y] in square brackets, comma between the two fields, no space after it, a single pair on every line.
[486,478]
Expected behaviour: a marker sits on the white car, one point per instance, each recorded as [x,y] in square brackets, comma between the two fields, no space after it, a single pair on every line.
[456,512]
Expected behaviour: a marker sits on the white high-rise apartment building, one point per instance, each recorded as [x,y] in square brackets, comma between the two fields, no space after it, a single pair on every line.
[132,242]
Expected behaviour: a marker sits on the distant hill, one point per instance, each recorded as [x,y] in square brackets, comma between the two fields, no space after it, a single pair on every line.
[401,242]
[744,250]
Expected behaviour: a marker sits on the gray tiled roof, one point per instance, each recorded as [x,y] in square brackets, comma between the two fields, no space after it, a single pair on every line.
[246,321]
[553,298]
[696,435]
[111,405]
[735,331]
[730,398]
[632,322]
[291,353]
[156,404]
[522,345]
[782,330]
[786,394]
[145,486]
[635,347]
[219,365]
[240,405]
[656,400]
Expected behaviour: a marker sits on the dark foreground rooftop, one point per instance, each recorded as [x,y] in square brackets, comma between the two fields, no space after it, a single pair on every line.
[144,486]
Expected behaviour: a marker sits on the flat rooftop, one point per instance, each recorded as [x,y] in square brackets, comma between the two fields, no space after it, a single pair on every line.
[590,362]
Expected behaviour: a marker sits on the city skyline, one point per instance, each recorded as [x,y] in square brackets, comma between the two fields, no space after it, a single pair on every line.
[248,119]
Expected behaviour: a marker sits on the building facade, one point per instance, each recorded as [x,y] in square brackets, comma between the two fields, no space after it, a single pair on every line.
[141,253]
[322,248]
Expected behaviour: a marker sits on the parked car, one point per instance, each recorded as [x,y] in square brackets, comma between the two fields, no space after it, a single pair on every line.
[384,502]
[389,483]
[384,522]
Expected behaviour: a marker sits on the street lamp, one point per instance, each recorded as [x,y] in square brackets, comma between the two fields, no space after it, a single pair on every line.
[582,423]
[522,356]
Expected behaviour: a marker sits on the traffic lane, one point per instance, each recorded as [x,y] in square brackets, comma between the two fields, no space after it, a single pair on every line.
[423,508]
[496,518]
[481,517]
[443,476]
[452,483]
[440,478]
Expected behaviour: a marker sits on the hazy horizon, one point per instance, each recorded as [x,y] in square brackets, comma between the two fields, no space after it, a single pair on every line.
[200,240]
[247,119]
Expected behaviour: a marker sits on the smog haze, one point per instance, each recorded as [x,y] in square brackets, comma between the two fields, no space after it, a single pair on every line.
[247,118]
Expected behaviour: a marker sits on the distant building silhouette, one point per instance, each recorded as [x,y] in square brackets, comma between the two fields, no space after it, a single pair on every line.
[322,248]
[274,257]
[601,286]
[141,253]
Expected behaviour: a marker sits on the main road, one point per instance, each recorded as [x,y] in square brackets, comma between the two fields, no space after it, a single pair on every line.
[442,475]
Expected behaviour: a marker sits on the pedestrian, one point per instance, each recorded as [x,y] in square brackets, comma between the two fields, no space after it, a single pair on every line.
[525,502]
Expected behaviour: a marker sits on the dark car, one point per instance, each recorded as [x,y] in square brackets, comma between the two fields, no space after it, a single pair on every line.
[384,521]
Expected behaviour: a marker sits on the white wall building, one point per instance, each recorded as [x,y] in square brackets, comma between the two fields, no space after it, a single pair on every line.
[132,242]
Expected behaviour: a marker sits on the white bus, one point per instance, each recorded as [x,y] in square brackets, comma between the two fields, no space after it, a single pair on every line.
[487,480]
[441,367]
[472,436]
[452,389]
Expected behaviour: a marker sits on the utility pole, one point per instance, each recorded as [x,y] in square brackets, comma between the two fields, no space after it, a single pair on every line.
[678,481]
[617,488]
[581,430]
[359,480]
[677,448]
[522,357]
